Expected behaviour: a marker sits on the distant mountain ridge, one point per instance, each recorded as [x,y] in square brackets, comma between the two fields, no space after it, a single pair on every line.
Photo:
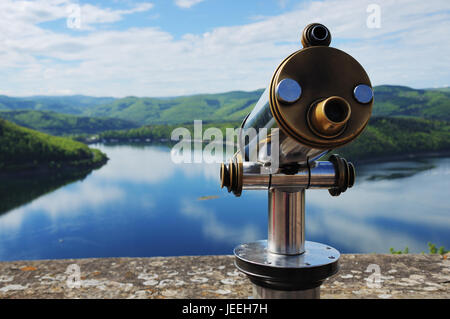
[75,104]
[393,100]
[207,107]
[405,120]
[390,100]
[64,124]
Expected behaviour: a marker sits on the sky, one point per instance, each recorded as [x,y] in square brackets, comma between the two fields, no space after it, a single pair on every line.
[181,47]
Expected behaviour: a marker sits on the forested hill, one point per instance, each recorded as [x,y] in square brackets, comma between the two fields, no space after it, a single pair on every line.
[404,101]
[232,106]
[207,107]
[23,149]
[76,104]
[389,101]
[384,137]
[63,124]
[392,137]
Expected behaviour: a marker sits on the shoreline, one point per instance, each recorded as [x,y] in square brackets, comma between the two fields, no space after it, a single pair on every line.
[71,167]
[65,168]
[405,157]
[363,161]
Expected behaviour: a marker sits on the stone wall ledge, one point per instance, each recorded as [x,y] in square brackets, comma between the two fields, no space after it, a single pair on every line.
[400,276]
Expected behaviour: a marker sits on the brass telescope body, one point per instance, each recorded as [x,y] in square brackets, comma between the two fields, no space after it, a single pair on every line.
[324,73]
[319,99]
[328,112]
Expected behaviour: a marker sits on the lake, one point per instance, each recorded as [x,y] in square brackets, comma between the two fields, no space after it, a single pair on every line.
[142,204]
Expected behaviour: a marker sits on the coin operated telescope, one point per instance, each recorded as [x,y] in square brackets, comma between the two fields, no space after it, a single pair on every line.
[319,98]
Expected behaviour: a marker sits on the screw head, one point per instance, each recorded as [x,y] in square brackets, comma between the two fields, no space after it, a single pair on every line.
[363,93]
[288,91]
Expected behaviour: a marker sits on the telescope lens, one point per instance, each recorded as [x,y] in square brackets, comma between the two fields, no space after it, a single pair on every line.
[319,33]
[329,116]
[316,34]
[336,110]
[224,176]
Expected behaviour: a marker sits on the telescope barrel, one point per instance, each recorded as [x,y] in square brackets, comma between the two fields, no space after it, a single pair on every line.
[336,174]
[322,176]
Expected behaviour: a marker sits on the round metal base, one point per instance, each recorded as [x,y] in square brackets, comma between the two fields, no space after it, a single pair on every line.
[287,272]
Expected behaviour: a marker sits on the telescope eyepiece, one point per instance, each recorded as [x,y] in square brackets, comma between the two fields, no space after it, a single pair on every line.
[329,117]
[319,32]
[316,34]
[337,110]
[231,175]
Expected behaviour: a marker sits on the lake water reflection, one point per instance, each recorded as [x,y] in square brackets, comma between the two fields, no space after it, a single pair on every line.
[142,204]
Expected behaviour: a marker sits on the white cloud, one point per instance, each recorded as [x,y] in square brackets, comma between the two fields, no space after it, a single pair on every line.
[90,14]
[351,220]
[64,201]
[214,229]
[150,166]
[409,49]
[29,14]
[187,3]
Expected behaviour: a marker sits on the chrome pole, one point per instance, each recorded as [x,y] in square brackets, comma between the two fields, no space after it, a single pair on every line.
[286,237]
[286,222]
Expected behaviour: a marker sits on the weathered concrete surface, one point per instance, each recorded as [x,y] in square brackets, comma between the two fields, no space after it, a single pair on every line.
[401,276]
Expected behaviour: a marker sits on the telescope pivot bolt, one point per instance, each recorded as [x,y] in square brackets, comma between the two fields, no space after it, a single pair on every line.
[363,93]
[231,176]
[345,172]
[288,91]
